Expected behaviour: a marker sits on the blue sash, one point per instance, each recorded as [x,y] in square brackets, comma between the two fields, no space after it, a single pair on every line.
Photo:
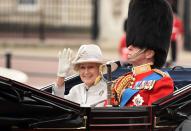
[129,92]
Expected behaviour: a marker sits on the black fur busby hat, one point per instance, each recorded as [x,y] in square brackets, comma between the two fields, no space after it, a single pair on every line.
[149,25]
[125,25]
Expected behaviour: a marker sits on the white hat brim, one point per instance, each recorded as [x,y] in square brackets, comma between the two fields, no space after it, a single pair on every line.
[89,61]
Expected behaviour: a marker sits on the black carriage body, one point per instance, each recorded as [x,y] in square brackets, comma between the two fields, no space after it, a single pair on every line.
[26,108]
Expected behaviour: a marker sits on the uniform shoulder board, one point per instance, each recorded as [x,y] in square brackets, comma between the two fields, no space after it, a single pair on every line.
[121,77]
[162,73]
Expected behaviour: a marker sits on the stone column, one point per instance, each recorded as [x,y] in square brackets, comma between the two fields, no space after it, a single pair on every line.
[112,15]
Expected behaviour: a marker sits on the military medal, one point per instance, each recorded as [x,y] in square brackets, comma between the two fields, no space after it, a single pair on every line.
[138,100]
[144,85]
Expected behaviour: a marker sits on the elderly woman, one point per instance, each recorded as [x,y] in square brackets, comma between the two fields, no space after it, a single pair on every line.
[93,90]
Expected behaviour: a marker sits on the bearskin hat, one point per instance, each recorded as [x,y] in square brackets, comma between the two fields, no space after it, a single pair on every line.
[149,25]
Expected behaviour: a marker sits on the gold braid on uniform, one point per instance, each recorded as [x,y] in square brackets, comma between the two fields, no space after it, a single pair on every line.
[163,74]
[122,83]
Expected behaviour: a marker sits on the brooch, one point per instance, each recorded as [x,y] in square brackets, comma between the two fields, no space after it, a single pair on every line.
[101,92]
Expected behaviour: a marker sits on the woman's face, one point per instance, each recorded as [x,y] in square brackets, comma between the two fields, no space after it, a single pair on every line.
[88,73]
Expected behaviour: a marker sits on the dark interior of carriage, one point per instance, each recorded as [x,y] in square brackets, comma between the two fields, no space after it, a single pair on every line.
[25,107]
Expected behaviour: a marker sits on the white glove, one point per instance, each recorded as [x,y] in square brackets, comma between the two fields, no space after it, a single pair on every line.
[65,60]
[58,91]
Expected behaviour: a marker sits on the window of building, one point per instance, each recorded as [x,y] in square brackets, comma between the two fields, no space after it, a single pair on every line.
[27,5]
[27,2]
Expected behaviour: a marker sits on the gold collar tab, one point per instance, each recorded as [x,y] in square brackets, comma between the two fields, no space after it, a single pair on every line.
[141,69]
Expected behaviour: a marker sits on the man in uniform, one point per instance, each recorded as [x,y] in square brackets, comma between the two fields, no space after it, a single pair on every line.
[149,27]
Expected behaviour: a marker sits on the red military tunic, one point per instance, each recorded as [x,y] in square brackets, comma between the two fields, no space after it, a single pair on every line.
[146,95]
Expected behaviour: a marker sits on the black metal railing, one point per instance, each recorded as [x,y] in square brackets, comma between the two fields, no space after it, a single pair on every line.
[49,18]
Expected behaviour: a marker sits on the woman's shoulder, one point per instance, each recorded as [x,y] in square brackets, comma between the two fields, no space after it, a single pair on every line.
[78,86]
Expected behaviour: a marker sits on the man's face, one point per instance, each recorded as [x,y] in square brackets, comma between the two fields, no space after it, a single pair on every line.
[135,55]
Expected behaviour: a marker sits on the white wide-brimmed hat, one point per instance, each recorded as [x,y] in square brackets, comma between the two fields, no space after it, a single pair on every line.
[88,53]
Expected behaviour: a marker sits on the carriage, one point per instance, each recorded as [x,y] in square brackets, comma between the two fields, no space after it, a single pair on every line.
[27,108]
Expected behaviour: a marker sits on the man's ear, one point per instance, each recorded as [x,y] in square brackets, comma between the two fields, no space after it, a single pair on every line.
[150,53]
